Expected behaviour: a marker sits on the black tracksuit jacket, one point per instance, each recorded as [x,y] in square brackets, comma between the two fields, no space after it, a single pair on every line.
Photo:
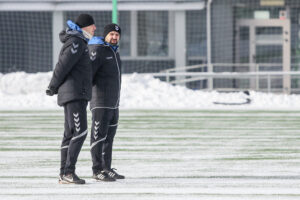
[72,76]
[106,66]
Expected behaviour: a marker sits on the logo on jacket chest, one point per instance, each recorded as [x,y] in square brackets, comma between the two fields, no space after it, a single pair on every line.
[109,58]
[93,55]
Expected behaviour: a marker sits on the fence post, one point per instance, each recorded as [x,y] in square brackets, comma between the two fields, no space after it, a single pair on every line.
[257,77]
[167,76]
[210,83]
[269,83]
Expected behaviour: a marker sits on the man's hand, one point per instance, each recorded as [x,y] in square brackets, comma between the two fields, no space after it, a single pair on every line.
[51,91]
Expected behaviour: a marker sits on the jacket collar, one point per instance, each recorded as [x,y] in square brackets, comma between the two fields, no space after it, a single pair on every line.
[74,29]
[100,40]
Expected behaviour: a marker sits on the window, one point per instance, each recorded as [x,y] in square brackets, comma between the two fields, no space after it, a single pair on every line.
[196,33]
[152,33]
[26,41]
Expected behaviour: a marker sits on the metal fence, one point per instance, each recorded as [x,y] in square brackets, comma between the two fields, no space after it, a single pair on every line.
[245,75]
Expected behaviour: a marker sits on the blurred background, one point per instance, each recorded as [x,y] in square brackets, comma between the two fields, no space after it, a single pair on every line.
[186,42]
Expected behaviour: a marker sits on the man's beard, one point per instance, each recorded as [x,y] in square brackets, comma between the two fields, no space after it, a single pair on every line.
[113,43]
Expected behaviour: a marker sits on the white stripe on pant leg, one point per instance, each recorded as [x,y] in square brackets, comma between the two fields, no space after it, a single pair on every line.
[113,125]
[95,143]
[80,135]
[64,147]
[112,108]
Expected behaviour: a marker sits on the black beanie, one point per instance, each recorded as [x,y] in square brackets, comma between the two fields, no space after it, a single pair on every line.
[111,27]
[84,20]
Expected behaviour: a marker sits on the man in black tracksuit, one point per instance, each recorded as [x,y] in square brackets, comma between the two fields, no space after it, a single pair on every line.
[105,100]
[72,81]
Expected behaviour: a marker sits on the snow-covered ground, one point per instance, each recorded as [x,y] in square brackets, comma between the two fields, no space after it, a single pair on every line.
[197,152]
[27,91]
[164,154]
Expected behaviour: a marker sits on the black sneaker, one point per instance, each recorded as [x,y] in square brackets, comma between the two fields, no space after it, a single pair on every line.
[103,176]
[72,178]
[113,174]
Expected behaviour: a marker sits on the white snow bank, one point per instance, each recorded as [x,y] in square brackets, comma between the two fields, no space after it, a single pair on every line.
[27,91]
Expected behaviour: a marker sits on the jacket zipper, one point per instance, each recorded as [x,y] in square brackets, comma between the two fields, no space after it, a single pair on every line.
[118,77]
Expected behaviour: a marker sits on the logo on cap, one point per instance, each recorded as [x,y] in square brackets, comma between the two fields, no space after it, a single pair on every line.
[116,28]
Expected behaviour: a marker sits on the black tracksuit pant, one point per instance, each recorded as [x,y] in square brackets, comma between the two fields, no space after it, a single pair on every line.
[104,127]
[74,134]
